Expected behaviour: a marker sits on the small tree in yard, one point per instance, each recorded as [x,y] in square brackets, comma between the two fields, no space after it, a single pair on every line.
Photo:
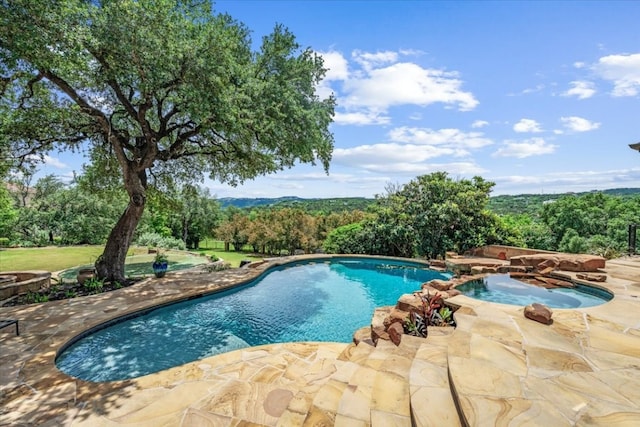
[156,91]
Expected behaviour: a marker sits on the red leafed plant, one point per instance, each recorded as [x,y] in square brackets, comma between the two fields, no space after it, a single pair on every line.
[433,313]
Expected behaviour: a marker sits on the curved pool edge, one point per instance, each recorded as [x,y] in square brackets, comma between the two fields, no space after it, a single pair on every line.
[249,273]
[35,391]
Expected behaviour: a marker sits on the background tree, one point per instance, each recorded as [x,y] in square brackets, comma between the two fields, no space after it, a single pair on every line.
[156,88]
[447,214]
[65,214]
[428,216]
[8,213]
[235,229]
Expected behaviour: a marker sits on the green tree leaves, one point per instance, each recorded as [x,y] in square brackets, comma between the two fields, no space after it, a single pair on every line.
[162,91]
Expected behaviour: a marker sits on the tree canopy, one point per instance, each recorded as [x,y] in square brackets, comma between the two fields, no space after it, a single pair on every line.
[428,216]
[156,91]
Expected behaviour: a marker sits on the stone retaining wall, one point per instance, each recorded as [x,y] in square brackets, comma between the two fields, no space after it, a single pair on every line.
[25,281]
[504,252]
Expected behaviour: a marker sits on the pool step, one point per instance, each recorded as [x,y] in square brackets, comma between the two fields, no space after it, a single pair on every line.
[368,388]
[432,398]
[407,385]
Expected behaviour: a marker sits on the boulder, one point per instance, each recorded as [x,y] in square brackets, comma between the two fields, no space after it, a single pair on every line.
[409,302]
[379,333]
[453,292]
[441,285]
[477,269]
[538,312]
[592,277]
[395,333]
[363,335]
[566,262]
[437,263]
[548,265]
[396,316]
[555,283]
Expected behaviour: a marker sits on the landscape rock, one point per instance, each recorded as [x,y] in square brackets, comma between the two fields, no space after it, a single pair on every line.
[592,277]
[453,292]
[409,302]
[395,333]
[441,285]
[437,263]
[477,269]
[566,262]
[396,316]
[363,335]
[555,283]
[538,312]
[377,333]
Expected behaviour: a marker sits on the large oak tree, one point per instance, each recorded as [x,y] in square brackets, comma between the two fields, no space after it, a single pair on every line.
[156,90]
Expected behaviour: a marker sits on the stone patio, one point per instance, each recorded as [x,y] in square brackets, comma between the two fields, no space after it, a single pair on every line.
[496,368]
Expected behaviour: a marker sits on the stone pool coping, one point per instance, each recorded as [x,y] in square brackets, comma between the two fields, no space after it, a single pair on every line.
[605,339]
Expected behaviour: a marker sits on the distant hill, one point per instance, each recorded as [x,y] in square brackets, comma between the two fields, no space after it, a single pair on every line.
[530,203]
[516,204]
[311,205]
[244,202]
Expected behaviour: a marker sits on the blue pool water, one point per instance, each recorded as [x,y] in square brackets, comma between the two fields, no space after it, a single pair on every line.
[303,302]
[503,289]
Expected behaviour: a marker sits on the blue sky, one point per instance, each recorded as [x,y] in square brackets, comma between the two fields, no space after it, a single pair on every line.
[538,97]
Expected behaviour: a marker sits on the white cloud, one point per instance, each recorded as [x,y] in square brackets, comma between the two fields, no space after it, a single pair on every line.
[406,83]
[413,169]
[367,156]
[527,126]
[404,159]
[578,124]
[54,162]
[527,91]
[372,60]
[411,52]
[527,148]
[568,181]
[370,83]
[341,178]
[479,124]
[579,64]
[581,89]
[623,71]
[411,149]
[336,65]
[361,118]
[454,138]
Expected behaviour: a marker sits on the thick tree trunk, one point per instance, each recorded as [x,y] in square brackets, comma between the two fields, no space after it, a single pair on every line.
[110,265]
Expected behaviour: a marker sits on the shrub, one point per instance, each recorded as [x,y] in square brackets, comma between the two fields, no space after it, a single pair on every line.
[159,241]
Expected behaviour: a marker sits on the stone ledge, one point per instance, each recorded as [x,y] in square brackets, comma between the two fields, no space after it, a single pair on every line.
[25,281]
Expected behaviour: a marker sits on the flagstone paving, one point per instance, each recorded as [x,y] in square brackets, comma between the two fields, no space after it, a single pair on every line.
[495,368]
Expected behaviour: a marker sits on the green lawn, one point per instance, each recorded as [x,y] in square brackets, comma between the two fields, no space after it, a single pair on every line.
[52,258]
[216,247]
[141,265]
[55,258]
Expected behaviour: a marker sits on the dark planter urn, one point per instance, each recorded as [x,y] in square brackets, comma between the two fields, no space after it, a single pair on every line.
[160,268]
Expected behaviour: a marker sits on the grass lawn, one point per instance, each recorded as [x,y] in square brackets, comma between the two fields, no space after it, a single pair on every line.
[55,258]
[216,247]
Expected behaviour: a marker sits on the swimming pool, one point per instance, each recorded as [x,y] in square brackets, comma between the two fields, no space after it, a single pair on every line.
[303,301]
[503,289]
